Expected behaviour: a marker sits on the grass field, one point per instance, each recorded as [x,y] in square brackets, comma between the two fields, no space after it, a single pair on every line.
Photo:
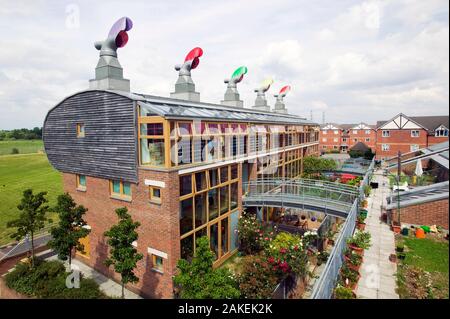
[424,272]
[19,172]
[23,146]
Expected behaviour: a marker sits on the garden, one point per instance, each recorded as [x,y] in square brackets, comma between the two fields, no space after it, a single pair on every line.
[422,271]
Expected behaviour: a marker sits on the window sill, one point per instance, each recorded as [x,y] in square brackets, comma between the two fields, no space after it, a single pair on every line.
[124,199]
[157,271]
[155,202]
[81,189]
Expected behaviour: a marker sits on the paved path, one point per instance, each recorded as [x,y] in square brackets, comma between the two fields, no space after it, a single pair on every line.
[378,280]
[108,286]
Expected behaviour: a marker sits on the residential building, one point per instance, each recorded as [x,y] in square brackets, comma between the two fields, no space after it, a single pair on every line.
[179,165]
[409,133]
[342,137]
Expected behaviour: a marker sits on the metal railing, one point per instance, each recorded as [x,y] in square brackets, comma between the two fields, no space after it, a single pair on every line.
[324,286]
[328,197]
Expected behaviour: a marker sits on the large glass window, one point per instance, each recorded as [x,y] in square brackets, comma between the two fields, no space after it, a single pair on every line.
[224,200]
[213,177]
[224,174]
[152,152]
[186,216]
[185,185]
[152,129]
[234,196]
[213,203]
[200,181]
[200,209]
[214,239]
[187,247]
[224,235]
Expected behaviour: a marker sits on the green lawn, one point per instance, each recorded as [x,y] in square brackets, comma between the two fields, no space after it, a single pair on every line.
[19,172]
[424,271]
[23,146]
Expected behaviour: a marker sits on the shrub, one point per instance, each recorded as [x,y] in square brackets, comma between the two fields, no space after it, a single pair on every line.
[367,189]
[322,257]
[257,279]
[353,258]
[15,151]
[199,280]
[343,293]
[284,240]
[349,274]
[48,280]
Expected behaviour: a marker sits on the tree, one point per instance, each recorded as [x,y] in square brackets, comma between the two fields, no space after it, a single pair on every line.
[31,219]
[258,279]
[123,255]
[312,165]
[70,229]
[199,280]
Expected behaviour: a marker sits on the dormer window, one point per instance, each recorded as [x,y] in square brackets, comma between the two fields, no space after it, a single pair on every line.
[441,131]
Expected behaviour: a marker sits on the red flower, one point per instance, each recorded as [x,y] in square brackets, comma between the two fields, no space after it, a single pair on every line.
[296,248]
[283,250]
[271,260]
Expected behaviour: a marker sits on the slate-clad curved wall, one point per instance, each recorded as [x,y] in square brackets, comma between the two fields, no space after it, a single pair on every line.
[109,148]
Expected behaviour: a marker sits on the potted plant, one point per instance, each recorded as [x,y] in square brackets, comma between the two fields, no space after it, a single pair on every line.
[359,242]
[364,203]
[341,292]
[353,260]
[396,227]
[349,277]
[322,258]
[363,213]
[360,224]
[400,247]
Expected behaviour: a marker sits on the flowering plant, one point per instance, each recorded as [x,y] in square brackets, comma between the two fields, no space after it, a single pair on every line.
[253,236]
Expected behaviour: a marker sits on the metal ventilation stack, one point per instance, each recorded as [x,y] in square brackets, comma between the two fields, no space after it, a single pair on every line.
[109,72]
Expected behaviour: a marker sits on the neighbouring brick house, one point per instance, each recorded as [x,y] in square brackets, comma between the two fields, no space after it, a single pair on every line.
[342,137]
[409,133]
[401,133]
[176,163]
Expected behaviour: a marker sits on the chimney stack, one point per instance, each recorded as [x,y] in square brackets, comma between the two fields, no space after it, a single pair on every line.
[261,102]
[280,107]
[109,73]
[185,87]
[231,97]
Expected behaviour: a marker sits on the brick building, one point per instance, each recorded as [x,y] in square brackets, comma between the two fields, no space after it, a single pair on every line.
[409,133]
[342,137]
[176,163]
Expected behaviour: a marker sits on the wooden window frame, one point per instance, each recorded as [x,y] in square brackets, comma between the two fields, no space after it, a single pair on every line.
[155,266]
[81,133]
[121,195]
[79,186]
[153,199]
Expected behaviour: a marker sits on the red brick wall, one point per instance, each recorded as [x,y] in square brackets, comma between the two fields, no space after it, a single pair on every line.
[361,136]
[399,140]
[329,143]
[159,226]
[436,140]
[431,213]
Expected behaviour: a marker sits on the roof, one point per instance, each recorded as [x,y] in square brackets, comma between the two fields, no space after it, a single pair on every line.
[347,126]
[171,108]
[419,195]
[430,123]
[360,146]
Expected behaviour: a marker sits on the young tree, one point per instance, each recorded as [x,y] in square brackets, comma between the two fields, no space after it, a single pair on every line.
[31,219]
[199,280]
[66,236]
[123,256]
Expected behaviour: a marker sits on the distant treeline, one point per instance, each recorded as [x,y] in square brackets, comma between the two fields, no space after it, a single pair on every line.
[21,134]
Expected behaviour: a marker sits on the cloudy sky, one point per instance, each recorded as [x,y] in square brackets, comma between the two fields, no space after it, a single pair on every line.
[351,60]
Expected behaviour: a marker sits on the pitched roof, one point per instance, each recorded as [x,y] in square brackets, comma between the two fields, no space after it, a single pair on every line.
[430,123]
[360,146]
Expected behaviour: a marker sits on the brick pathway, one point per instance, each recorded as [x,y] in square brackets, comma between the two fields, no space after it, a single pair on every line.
[378,279]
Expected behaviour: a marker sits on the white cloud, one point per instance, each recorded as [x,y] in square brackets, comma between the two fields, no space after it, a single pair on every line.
[356,62]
